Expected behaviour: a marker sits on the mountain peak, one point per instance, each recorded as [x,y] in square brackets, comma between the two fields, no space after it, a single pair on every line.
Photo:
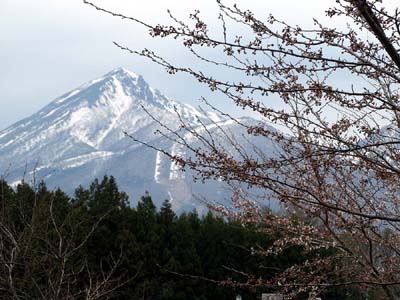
[129,80]
[122,72]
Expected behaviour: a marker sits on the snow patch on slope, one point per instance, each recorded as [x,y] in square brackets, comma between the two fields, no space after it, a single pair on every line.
[175,172]
[157,170]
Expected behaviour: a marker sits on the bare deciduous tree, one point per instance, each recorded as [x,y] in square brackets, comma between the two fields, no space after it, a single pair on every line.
[41,242]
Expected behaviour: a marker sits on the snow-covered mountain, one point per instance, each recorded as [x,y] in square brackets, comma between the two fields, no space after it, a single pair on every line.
[80,136]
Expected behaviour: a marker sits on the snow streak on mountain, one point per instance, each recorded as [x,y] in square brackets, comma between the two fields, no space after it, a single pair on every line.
[80,136]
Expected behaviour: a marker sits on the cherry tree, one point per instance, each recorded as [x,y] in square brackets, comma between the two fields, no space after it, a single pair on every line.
[337,158]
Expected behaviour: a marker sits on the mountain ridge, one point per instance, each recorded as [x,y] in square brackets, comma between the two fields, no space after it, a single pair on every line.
[80,136]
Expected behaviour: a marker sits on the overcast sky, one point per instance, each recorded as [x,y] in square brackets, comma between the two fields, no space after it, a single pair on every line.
[48,47]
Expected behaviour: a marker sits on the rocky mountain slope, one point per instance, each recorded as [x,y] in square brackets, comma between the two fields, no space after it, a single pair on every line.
[80,136]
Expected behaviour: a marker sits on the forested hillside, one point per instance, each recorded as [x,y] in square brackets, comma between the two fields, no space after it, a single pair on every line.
[94,246]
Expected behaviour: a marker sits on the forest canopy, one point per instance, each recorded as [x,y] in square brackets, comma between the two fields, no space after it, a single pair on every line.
[95,246]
